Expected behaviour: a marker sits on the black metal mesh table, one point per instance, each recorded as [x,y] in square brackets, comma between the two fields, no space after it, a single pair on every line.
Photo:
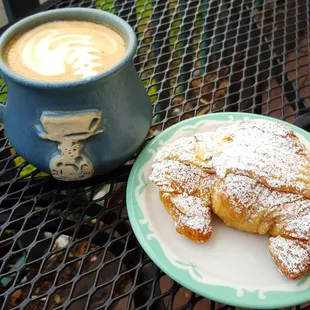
[64,245]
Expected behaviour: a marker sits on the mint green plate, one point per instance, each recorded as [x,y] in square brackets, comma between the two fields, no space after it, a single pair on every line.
[233,267]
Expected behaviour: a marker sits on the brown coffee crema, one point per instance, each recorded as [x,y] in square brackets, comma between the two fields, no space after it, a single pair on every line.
[64,51]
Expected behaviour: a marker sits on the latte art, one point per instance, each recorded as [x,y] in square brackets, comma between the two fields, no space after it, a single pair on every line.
[65,50]
[50,55]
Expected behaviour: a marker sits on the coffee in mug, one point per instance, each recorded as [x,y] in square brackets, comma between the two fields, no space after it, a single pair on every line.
[64,51]
[76,106]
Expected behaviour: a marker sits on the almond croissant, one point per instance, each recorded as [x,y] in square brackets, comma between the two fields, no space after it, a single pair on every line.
[254,175]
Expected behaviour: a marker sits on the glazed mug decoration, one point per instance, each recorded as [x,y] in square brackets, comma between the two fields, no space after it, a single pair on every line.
[76,128]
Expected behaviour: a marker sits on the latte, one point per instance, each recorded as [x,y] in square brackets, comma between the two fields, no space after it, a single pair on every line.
[64,51]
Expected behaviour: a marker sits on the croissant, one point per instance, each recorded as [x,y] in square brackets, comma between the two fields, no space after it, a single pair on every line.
[184,190]
[247,205]
[253,175]
[266,151]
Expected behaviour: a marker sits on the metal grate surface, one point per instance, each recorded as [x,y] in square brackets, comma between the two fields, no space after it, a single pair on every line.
[63,246]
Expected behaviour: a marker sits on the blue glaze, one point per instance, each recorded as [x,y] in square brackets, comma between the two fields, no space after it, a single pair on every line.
[116,94]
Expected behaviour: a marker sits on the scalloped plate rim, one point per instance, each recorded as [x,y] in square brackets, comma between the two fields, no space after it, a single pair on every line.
[222,294]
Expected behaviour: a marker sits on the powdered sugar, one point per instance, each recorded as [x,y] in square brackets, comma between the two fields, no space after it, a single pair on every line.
[193,213]
[244,192]
[182,150]
[291,256]
[189,205]
[295,219]
[271,198]
[174,171]
[241,191]
[291,213]
[172,175]
[267,151]
[299,227]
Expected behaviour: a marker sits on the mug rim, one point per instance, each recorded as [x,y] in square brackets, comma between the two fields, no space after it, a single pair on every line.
[109,19]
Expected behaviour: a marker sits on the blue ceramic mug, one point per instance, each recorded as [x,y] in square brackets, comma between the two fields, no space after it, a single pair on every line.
[74,130]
